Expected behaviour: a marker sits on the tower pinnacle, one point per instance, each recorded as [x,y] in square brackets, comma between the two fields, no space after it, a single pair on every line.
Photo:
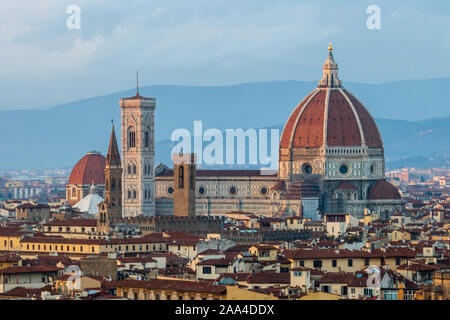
[113,156]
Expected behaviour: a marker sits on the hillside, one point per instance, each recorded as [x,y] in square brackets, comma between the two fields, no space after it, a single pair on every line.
[59,136]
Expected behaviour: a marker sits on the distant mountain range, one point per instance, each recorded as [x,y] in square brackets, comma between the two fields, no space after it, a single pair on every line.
[59,136]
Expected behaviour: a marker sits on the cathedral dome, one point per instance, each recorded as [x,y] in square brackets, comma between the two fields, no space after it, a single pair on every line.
[383,190]
[89,170]
[330,116]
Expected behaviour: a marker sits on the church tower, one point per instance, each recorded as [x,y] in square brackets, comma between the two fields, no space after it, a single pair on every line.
[111,208]
[138,153]
[184,175]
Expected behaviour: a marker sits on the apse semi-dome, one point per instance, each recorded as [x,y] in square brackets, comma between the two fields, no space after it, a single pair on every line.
[89,170]
[383,190]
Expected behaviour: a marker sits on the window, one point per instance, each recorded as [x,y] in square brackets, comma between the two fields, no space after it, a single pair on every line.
[233,190]
[298,273]
[206,270]
[134,169]
[389,295]
[263,190]
[129,169]
[409,295]
[113,184]
[334,263]
[131,138]
[181,177]
[134,194]
[344,290]
[146,139]
[129,194]
[306,168]
[317,263]
[302,263]
[368,292]
[170,190]
[353,290]
[192,178]
[74,192]
[366,261]
[343,169]
[350,262]
[264,253]
[397,261]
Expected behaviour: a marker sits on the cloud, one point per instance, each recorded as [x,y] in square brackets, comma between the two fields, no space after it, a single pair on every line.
[209,43]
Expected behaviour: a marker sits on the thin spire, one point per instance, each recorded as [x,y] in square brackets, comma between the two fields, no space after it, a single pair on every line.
[113,156]
[137,83]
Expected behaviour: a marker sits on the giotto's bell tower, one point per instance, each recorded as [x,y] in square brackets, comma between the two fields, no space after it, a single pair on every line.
[138,154]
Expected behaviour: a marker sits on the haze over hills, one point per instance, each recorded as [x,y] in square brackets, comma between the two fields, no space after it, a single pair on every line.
[59,136]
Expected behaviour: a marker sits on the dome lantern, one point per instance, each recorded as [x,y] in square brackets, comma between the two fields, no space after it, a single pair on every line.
[330,77]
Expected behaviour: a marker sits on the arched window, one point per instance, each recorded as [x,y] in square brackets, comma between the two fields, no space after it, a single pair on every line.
[129,169]
[146,139]
[113,184]
[181,177]
[134,169]
[134,194]
[129,194]
[131,138]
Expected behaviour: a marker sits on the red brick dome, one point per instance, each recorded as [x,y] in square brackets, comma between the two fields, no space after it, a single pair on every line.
[90,169]
[330,116]
[383,190]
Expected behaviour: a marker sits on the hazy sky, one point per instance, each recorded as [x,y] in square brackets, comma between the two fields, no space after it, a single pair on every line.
[210,42]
